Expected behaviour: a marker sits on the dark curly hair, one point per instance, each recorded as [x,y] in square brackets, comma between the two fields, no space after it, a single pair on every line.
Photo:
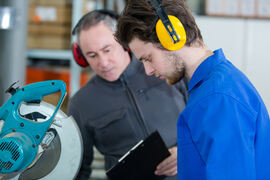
[139,18]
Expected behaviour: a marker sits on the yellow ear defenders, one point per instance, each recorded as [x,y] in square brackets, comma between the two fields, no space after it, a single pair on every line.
[170,31]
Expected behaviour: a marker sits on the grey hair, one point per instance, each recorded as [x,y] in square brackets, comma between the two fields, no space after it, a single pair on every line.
[94,19]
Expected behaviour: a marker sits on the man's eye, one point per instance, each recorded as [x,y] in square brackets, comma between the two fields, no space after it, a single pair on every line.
[92,56]
[107,50]
[147,60]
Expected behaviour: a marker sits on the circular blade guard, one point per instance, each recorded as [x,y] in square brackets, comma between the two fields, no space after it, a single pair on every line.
[68,152]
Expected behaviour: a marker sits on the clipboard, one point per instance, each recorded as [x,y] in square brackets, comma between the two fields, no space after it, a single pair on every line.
[141,161]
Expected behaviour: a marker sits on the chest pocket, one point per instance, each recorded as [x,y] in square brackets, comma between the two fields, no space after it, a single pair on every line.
[113,131]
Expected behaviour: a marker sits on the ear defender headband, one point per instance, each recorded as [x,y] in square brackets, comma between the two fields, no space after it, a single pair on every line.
[170,31]
[76,50]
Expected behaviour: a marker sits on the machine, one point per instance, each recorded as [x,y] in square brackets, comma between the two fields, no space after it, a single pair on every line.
[38,140]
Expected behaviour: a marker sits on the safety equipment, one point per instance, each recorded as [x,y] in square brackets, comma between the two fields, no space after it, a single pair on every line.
[76,50]
[170,31]
[78,55]
[37,140]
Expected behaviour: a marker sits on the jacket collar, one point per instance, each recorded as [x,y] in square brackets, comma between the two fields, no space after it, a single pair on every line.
[132,68]
[205,68]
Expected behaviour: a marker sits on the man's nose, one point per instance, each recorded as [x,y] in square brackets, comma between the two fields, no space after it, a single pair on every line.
[103,61]
[148,69]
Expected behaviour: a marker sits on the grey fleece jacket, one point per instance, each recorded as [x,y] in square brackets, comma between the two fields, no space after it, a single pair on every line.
[114,116]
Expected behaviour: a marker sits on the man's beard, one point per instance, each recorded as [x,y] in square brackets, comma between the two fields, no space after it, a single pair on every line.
[178,72]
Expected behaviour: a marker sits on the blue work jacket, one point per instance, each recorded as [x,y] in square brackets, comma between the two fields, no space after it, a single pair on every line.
[224,132]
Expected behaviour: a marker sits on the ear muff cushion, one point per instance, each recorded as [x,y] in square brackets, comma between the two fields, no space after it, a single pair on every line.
[78,56]
[165,38]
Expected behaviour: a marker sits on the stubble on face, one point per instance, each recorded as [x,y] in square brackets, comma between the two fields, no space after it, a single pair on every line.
[178,70]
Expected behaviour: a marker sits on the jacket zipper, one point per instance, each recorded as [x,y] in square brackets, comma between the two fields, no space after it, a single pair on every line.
[145,130]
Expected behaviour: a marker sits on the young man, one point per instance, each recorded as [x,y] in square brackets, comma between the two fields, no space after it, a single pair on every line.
[121,105]
[224,131]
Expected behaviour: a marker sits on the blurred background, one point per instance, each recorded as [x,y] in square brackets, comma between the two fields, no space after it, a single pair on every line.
[36,38]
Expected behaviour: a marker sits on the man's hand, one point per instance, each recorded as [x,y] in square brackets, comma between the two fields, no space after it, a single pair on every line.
[168,167]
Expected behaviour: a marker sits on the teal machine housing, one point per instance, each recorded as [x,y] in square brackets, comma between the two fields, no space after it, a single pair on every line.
[20,137]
